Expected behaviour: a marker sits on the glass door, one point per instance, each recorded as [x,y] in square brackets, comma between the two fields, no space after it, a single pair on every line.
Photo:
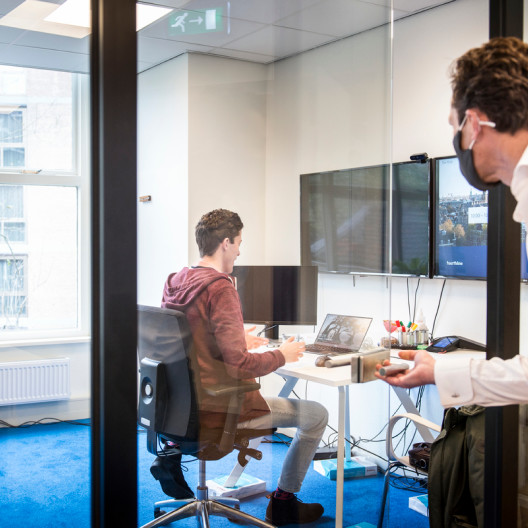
[280,112]
[45,296]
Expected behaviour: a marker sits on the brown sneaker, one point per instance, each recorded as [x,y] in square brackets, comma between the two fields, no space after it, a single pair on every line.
[292,511]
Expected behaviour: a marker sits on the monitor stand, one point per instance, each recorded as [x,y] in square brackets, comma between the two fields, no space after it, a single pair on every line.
[272,332]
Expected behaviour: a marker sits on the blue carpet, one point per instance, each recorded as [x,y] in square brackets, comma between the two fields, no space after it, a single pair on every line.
[45,472]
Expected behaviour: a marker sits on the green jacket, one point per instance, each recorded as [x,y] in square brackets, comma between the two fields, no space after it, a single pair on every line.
[456,470]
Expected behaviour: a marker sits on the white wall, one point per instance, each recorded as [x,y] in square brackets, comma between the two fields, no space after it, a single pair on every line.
[163,163]
[227,99]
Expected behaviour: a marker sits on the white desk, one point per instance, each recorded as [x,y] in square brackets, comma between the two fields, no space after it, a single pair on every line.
[340,377]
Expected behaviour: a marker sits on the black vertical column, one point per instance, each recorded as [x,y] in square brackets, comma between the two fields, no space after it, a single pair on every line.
[503,298]
[114,269]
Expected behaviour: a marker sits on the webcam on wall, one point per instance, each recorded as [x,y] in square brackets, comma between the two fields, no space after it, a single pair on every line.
[422,157]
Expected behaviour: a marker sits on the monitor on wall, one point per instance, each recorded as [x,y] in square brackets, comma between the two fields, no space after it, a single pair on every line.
[346,220]
[461,225]
[275,295]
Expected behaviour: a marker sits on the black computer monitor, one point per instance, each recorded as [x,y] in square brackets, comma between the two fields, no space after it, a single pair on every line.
[347,220]
[275,295]
[461,225]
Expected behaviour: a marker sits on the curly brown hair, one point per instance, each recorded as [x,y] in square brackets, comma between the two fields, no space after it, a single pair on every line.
[214,227]
[493,78]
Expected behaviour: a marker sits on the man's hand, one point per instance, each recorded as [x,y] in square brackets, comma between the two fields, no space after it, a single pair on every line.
[292,350]
[421,374]
[253,341]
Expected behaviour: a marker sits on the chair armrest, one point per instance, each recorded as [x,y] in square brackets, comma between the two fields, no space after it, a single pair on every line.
[223,389]
[417,419]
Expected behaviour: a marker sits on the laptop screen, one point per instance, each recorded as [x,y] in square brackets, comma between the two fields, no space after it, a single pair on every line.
[344,331]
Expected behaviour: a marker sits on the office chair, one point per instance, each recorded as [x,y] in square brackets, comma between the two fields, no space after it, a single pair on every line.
[168,407]
[395,461]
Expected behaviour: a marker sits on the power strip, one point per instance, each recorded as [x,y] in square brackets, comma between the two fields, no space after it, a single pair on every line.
[325,453]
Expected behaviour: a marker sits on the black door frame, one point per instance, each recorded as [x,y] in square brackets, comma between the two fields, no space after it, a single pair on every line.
[503,309]
[114,263]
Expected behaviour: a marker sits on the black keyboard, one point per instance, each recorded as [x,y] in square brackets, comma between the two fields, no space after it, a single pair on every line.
[320,348]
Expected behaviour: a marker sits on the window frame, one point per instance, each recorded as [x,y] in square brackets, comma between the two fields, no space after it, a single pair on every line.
[79,178]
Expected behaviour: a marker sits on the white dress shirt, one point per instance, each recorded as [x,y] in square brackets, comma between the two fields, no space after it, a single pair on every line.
[465,381]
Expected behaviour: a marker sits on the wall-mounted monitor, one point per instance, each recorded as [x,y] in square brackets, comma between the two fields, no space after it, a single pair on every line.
[461,225]
[275,295]
[346,220]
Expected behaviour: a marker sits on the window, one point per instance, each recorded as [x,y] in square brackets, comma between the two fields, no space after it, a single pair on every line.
[12,224]
[12,151]
[13,296]
[43,197]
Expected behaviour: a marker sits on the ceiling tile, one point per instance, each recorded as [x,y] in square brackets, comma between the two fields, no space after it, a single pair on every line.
[409,6]
[254,30]
[154,50]
[339,18]
[8,5]
[43,58]
[279,41]
[34,39]
[8,34]
[265,12]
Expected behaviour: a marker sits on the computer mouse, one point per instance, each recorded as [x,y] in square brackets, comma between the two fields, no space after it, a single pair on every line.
[320,361]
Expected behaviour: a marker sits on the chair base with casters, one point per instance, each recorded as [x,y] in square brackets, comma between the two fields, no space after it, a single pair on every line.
[202,507]
[395,461]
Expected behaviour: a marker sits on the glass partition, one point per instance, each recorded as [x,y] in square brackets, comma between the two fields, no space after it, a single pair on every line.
[439,303]
[238,102]
[45,296]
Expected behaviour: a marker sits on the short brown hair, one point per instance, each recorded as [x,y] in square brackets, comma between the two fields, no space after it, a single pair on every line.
[214,227]
[494,79]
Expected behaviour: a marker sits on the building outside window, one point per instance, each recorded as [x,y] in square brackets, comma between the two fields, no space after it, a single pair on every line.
[42,190]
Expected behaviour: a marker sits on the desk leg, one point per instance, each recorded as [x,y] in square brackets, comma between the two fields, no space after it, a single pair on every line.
[289,385]
[406,401]
[340,457]
[348,456]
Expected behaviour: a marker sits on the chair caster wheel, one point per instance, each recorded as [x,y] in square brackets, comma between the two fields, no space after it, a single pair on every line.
[158,513]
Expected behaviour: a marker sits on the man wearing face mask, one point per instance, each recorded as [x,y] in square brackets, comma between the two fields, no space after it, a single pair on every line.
[489,116]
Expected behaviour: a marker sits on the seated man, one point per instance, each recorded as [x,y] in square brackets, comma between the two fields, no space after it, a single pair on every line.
[207,295]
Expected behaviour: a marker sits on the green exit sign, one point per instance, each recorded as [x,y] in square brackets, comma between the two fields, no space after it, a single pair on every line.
[193,22]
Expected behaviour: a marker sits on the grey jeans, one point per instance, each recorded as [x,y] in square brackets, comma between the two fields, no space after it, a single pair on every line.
[310,419]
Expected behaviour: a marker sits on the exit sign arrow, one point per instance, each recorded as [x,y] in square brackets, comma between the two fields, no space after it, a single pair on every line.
[194,22]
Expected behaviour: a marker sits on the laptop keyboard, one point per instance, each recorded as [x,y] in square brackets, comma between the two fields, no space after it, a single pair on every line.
[320,348]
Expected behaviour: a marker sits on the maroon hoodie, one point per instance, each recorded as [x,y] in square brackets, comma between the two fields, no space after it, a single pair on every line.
[212,306]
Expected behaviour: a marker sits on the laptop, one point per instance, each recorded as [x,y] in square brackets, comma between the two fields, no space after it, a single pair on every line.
[340,334]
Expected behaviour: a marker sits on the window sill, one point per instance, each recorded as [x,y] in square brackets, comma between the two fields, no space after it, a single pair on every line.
[44,341]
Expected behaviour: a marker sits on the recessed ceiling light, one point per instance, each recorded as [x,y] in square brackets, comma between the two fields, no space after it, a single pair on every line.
[146,14]
[70,19]
[31,15]
[72,12]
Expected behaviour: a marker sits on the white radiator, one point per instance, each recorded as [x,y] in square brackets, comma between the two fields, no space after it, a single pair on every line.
[34,381]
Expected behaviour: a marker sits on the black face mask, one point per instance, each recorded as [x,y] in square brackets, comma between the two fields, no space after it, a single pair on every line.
[467,167]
